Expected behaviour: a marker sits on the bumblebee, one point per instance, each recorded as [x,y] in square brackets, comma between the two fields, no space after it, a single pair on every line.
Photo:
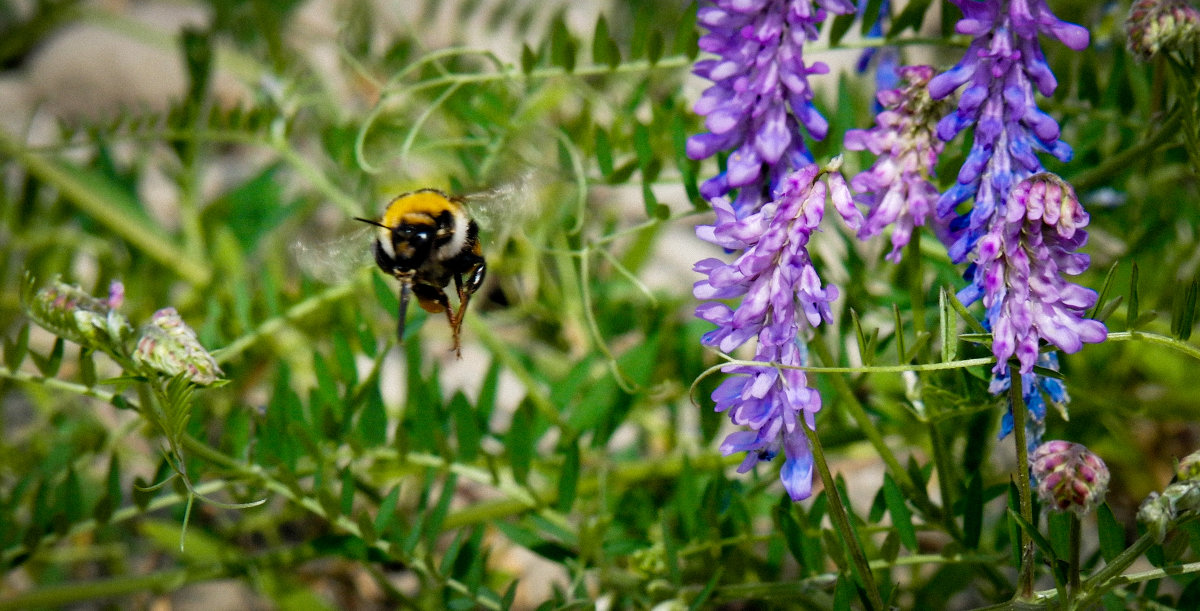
[426,239]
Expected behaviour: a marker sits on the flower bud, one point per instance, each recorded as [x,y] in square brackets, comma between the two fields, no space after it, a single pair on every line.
[1189,468]
[169,346]
[69,312]
[1154,26]
[1069,476]
[1160,512]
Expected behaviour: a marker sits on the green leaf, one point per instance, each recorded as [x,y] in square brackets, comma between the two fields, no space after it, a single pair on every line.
[866,345]
[568,477]
[387,511]
[1038,538]
[604,159]
[841,24]
[49,365]
[347,504]
[948,325]
[843,593]
[913,16]
[1111,533]
[519,442]
[373,420]
[87,367]
[15,351]
[529,59]
[466,427]
[433,521]
[1058,525]
[1102,296]
[793,534]
[1131,311]
[1184,314]
[562,44]
[901,516]
[654,47]
[901,352]
[973,511]
[604,50]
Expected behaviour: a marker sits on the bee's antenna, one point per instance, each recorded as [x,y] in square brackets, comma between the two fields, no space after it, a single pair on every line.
[370,222]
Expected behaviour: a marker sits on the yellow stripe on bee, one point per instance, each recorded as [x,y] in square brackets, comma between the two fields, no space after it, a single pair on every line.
[426,202]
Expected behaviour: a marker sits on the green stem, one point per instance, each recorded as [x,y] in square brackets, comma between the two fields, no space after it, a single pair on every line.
[63,595]
[837,512]
[1127,158]
[1073,558]
[343,523]
[946,474]
[869,430]
[1025,581]
[1106,578]
[99,200]
[297,312]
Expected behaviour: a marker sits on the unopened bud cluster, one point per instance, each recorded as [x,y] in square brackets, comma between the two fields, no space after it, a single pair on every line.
[165,345]
[168,345]
[1069,476]
[69,312]
[1180,500]
[1155,26]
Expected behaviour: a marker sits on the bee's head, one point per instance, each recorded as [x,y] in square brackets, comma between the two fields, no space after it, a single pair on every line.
[412,242]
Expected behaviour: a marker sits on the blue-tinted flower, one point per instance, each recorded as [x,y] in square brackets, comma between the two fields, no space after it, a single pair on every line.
[782,299]
[760,104]
[885,58]
[1001,70]
[1035,389]
[1022,261]
[897,188]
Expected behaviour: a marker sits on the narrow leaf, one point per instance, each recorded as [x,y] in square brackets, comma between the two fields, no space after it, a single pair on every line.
[14,352]
[568,477]
[948,325]
[387,511]
[901,516]
[604,160]
[1111,533]
[973,511]
[1104,289]
[49,365]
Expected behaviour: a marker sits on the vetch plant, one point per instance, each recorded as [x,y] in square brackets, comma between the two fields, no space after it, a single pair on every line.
[165,363]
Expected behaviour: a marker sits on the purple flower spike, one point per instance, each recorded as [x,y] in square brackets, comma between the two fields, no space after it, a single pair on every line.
[760,104]
[1021,262]
[1002,68]
[897,188]
[782,299]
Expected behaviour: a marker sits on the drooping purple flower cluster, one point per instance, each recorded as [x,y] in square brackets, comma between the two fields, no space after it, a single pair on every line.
[1001,68]
[782,299]
[1022,260]
[897,188]
[760,103]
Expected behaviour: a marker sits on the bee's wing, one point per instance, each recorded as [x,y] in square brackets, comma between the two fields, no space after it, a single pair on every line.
[335,260]
[508,204]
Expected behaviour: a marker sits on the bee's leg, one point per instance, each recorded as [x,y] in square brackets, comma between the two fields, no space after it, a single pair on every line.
[434,299]
[405,292]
